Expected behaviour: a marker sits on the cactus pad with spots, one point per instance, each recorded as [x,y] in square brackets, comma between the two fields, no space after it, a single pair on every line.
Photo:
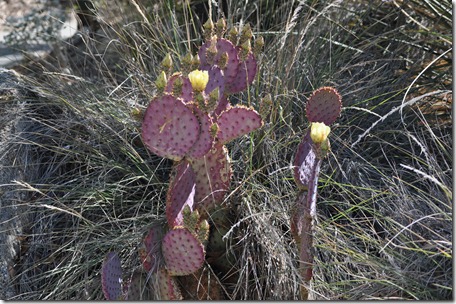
[169,128]
[324,105]
[182,251]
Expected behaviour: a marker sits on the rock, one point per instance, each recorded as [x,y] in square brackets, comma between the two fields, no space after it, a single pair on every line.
[31,19]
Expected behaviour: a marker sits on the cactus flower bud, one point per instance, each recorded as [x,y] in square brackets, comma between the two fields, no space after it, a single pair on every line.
[233,35]
[198,79]
[167,63]
[160,83]
[258,45]
[319,132]
[220,27]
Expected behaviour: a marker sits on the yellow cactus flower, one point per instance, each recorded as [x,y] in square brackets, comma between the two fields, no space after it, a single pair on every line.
[319,132]
[198,79]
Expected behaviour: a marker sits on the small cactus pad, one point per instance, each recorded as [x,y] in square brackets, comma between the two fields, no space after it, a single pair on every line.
[182,251]
[223,47]
[205,139]
[213,174]
[301,229]
[169,127]
[187,90]
[165,286]
[111,277]
[138,288]
[324,106]
[245,76]
[223,105]
[150,250]
[237,121]
[181,193]
[216,80]
[306,163]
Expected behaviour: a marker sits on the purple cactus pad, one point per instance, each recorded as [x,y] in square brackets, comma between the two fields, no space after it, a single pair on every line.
[187,90]
[237,121]
[245,76]
[205,139]
[223,46]
[166,286]
[150,250]
[182,251]
[111,277]
[216,80]
[213,174]
[324,106]
[181,193]
[169,128]
[306,163]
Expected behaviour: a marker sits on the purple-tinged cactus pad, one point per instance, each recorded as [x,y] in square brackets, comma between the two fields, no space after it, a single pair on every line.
[324,106]
[165,286]
[187,90]
[182,251]
[245,75]
[223,46]
[150,250]
[223,105]
[138,288]
[306,163]
[205,139]
[169,128]
[111,277]
[216,80]
[301,229]
[181,192]
[213,174]
[237,121]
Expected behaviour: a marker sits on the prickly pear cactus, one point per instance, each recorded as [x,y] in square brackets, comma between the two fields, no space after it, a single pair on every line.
[190,121]
[181,193]
[183,252]
[138,288]
[170,129]
[237,121]
[322,109]
[324,106]
[111,277]
[150,249]
[166,286]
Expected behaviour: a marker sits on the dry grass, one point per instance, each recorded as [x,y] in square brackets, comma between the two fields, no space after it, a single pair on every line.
[384,228]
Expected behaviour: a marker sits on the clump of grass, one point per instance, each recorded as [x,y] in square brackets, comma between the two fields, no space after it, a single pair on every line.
[384,207]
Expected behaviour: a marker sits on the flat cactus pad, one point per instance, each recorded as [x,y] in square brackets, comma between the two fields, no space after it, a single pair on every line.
[216,80]
[165,286]
[187,90]
[205,139]
[213,174]
[306,163]
[182,251]
[237,121]
[150,250]
[245,76]
[324,106]
[181,193]
[169,128]
[138,288]
[111,277]
[223,47]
